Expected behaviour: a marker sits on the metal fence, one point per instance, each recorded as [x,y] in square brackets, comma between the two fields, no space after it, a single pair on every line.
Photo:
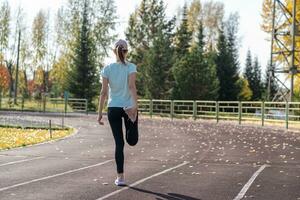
[287,113]
[258,112]
[45,104]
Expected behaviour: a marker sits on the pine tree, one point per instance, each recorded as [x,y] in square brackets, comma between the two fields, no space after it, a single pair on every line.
[257,82]
[269,79]
[248,73]
[231,28]
[195,74]
[183,36]
[146,25]
[158,61]
[183,39]
[253,75]
[206,83]
[224,73]
[83,78]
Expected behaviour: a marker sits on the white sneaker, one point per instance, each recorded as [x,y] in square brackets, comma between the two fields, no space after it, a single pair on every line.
[120,182]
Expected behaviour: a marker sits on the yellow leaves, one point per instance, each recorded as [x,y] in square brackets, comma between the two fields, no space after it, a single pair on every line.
[59,72]
[39,76]
[267,11]
[297,87]
[193,14]
[282,25]
[13,137]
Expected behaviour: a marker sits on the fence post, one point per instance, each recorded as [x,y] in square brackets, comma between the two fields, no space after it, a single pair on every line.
[63,121]
[66,105]
[22,106]
[240,112]
[263,113]
[172,109]
[86,106]
[44,102]
[151,108]
[217,111]
[287,115]
[194,110]
[50,129]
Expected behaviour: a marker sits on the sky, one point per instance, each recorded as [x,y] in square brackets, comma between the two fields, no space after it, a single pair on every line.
[250,34]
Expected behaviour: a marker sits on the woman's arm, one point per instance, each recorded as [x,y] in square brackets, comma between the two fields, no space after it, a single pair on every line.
[132,112]
[132,89]
[102,98]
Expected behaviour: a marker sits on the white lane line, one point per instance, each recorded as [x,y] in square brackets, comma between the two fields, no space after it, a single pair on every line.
[141,181]
[53,176]
[20,161]
[249,183]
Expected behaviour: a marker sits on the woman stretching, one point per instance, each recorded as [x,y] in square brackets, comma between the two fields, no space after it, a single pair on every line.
[118,83]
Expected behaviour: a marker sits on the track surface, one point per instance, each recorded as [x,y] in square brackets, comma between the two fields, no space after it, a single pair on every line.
[174,160]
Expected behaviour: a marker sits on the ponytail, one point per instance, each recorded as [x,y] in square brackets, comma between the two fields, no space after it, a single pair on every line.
[120,53]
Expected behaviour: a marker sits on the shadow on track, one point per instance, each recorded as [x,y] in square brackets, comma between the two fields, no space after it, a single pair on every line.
[169,196]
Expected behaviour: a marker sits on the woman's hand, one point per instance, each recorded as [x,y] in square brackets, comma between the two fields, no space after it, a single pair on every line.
[100,119]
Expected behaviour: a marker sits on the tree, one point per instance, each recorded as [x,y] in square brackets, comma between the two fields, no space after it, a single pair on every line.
[226,70]
[297,90]
[146,25]
[182,43]
[267,15]
[4,28]
[39,34]
[194,17]
[102,15]
[4,79]
[269,79]
[253,75]
[12,49]
[58,75]
[83,77]
[257,81]
[245,92]
[248,73]
[158,60]
[67,35]
[212,16]
[39,37]
[23,84]
[183,36]
[283,27]
[195,74]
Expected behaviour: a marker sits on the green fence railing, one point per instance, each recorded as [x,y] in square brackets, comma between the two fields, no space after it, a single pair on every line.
[258,112]
[45,104]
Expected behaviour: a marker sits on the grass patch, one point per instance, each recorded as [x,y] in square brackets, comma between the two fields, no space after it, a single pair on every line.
[11,137]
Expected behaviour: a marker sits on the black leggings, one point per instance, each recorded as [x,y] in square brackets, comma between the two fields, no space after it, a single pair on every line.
[115,115]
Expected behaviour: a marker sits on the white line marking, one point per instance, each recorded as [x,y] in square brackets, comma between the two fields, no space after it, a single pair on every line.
[20,161]
[141,181]
[249,183]
[53,176]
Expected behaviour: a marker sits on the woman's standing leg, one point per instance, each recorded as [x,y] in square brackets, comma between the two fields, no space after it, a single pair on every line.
[115,121]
